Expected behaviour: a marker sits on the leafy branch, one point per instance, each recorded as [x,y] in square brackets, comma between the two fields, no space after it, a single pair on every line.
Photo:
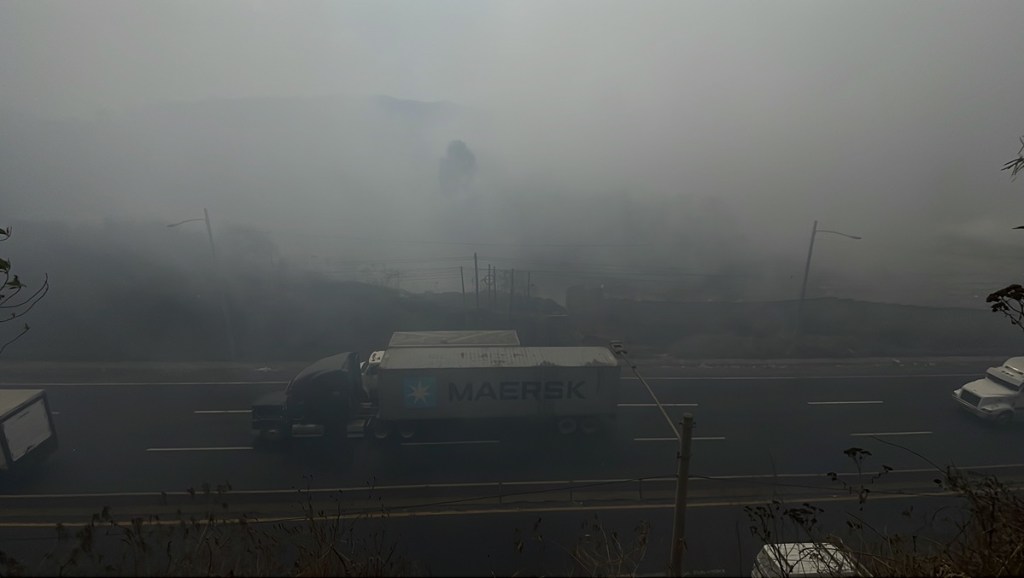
[1010,302]
[12,303]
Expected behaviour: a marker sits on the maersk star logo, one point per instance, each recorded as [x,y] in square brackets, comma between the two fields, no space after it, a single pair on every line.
[420,391]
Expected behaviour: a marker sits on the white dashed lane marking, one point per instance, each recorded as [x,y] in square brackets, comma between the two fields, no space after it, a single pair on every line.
[892,433]
[696,439]
[206,449]
[845,402]
[221,411]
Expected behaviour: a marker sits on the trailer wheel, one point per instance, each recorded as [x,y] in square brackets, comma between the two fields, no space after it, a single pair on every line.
[382,429]
[407,430]
[567,425]
[590,425]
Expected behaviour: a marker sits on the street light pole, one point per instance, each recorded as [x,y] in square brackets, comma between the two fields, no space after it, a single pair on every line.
[807,265]
[209,234]
[807,268]
[220,281]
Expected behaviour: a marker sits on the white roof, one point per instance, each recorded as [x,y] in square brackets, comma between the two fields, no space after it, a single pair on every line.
[1016,363]
[1009,372]
[811,559]
[474,338]
[12,398]
[475,357]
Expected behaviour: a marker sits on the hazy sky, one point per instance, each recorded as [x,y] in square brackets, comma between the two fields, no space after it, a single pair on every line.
[751,58]
[887,118]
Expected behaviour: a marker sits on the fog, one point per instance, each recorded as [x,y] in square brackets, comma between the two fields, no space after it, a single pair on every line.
[211,195]
[645,146]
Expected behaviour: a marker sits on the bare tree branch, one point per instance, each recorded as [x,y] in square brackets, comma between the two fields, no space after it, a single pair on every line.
[1016,165]
[10,288]
[23,331]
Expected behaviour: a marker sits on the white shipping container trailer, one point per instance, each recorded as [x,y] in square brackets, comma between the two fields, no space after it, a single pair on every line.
[26,428]
[467,338]
[574,386]
[461,338]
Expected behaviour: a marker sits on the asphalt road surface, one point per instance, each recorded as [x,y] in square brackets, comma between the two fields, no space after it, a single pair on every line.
[774,429]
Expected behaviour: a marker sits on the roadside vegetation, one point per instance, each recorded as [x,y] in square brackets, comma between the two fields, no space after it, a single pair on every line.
[981,533]
[314,542]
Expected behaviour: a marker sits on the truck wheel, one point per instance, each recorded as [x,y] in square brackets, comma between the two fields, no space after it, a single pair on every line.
[1004,419]
[567,426]
[382,429]
[407,430]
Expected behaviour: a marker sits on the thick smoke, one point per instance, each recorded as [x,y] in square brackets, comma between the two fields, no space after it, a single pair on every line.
[457,168]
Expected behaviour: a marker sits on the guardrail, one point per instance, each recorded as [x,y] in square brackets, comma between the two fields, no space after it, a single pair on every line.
[225,502]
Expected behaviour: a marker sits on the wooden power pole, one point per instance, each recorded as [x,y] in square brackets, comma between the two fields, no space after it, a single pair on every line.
[683,475]
[511,291]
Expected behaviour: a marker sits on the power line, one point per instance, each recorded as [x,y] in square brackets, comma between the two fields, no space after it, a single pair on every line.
[390,260]
[635,276]
[460,243]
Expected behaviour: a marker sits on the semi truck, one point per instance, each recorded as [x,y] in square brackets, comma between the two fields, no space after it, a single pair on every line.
[567,388]
[322,399]
[997,396]
[27,434]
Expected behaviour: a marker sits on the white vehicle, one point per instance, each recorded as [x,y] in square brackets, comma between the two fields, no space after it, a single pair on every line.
[997,396]
[26,428]
[804,559]
[465,338]
[462,338]
[572,387]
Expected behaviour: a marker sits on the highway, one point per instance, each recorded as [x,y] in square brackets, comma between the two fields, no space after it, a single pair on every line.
[127,435]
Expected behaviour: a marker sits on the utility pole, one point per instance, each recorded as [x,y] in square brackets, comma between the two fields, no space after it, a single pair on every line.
[494,287]
[476,279]
[465,311]
[807,268]
[223,289]
[803,286]
[683,475]
[511,291]
[230,334]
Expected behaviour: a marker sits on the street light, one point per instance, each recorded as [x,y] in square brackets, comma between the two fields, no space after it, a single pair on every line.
[220,278]
[807,267]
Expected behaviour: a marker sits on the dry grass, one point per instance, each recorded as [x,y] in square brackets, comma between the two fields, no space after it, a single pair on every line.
[982,534]
[317,543]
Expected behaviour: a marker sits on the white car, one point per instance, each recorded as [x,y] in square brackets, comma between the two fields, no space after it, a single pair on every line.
[804,559]
[997,396]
